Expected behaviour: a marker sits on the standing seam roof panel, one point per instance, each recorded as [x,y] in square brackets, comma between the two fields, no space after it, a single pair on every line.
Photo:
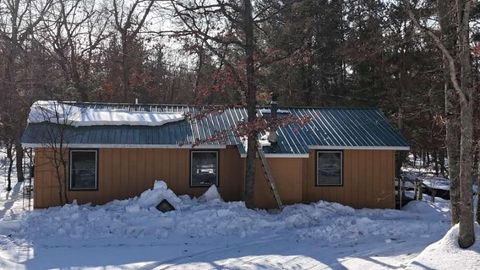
[328,130]
[364,137]
[342,132]
[328,127]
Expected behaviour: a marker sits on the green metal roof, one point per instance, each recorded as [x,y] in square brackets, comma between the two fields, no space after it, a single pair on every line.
[329,128]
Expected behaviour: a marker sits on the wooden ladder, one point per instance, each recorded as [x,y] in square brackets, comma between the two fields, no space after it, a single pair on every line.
[269,177]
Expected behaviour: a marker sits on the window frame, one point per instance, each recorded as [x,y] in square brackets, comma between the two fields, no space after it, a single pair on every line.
[341,168]
[217,154]
[70,161]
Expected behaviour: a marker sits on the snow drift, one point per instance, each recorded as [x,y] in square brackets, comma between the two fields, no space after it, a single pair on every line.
[446,254]
[210,216]
[65,113]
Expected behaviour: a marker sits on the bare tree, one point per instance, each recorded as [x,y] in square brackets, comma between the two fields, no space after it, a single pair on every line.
[227,30]
[19,19]
[460,76]
[56,139]
[200,18]
[129,21]
[452,109]
[10,159]
[75,29]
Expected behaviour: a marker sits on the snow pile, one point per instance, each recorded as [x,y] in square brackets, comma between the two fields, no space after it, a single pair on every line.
[210,216]
[446,254]
[64,113]
[211,194]
[150,198]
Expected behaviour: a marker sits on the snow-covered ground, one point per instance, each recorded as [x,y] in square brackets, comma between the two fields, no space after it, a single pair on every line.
[446,254]
[207,233]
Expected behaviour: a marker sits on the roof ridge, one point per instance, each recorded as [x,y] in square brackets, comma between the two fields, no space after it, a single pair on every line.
[90,103]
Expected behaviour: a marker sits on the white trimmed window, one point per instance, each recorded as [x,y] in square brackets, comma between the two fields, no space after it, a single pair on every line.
[203,168]
[329,168]
[83,169]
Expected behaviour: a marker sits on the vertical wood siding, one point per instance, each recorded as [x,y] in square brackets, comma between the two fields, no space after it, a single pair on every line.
[368,177]
[368,180]
[287,174]
[124,173]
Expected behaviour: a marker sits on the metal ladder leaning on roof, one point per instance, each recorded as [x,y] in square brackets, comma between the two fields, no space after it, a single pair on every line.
[269,177]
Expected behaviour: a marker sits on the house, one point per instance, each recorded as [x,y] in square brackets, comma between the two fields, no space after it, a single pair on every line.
[116,151]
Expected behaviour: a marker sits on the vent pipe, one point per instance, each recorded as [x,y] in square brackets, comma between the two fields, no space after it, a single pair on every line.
[272,136]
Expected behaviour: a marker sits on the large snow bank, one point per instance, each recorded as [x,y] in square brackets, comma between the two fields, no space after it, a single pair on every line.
[210,216]
[64,113]
[446,254]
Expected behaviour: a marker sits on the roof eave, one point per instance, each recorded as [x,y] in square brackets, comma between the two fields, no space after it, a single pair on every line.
[334,147]
[158,146]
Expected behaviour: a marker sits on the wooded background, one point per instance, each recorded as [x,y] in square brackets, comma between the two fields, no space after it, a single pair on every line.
[349,53]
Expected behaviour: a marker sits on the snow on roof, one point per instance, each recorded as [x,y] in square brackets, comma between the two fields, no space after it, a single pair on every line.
[65,113]
[268,111]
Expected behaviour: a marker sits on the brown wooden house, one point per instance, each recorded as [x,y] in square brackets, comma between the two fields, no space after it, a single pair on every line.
[116,151]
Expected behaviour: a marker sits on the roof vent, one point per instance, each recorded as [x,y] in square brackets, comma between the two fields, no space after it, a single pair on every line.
[272,136]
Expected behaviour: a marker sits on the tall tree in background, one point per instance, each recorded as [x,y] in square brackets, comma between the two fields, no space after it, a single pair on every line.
[309,35]
[460,74]
[75,30]
[228,30]
[248,25]
[448,22]
[19,19]
[129,19]
[199,18]
[310,52]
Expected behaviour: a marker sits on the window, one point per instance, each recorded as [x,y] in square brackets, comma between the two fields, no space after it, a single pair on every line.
[329,168]
[204,168]
[83,169]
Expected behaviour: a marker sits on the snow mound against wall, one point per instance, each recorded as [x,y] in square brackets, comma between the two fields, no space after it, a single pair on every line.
[69,114]
[446,254]
[150,198]
[210,216]
[211,194]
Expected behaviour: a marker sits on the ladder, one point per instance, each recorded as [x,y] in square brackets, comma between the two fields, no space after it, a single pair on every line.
[269,177]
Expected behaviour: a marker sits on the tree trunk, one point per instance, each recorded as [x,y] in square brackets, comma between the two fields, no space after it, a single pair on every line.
[478,193]
[478,201]
[467,233]
[435,162]
[466,236]
[442,161]
[452,126]
[400,156]
[452,141]
[10,166]
[249,190]
[19,161]
[477,172]
[125,67]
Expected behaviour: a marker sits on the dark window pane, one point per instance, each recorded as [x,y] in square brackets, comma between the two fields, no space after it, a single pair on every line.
[204,168]
[83,170]
[329,168]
